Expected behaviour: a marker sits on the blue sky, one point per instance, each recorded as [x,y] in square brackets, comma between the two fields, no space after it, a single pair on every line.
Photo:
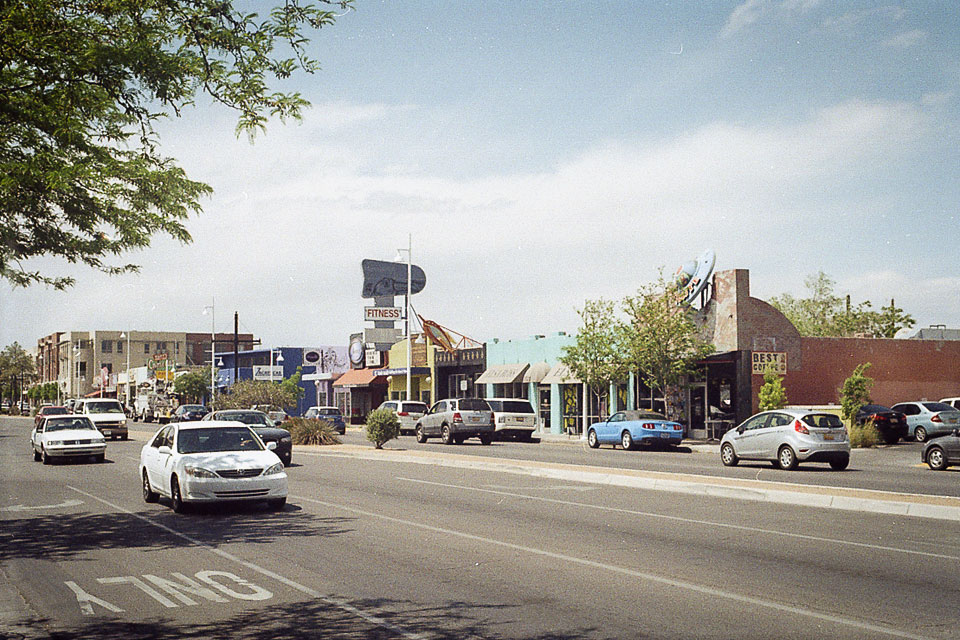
[544,153]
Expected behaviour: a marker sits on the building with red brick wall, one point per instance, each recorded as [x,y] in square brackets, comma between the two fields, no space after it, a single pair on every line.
[750,334]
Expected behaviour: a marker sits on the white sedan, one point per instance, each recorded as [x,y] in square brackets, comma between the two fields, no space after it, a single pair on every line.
[66,436]
[212,461]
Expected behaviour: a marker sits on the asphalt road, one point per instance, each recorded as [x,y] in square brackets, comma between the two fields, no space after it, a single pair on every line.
[884,468]
[377,548]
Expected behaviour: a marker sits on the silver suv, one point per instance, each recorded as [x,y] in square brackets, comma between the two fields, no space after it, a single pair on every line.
[513,417]
[787,437]
[455,420]
[408,411]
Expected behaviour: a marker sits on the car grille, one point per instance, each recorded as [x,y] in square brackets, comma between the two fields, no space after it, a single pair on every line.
[250,493]
[239,473]
[78,442]
[109,425]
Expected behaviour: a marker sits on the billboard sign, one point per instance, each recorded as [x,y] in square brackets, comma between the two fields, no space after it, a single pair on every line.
[384,279]
[775,361]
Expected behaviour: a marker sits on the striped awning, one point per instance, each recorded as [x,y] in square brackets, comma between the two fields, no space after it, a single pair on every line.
[503,373]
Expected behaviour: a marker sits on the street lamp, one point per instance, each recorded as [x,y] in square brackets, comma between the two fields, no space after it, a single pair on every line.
[127,393]
[279,360]
[406,314]
[213,349]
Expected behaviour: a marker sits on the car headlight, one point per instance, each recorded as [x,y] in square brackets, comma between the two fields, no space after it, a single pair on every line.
[274,469]
[54,443]
[98,440]
[199,472]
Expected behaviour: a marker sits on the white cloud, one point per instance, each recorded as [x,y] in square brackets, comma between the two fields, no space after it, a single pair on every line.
[906,39]
[753,11]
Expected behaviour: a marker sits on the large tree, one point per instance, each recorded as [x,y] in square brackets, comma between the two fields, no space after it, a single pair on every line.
[825,314]
[16,369]
[660,341]
[593,357]
[82,84]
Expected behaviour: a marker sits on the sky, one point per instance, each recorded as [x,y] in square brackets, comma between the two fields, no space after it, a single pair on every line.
[540,154]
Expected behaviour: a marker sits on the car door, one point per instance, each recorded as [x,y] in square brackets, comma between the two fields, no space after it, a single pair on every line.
[609,430]
[156,462]
[36,434]
[431,422]
[771,434]
[746,437]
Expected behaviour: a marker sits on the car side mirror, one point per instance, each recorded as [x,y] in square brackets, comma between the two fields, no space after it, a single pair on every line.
[740,430]
[277,423]
[165,449]
[271,446]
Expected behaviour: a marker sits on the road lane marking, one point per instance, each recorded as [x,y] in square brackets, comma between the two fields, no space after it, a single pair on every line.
[87,600]
[710,523]
[336,602]
[633,573]
[65,503]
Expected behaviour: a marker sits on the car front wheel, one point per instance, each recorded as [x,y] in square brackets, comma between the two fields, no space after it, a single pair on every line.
[176,500]
[936,460]
[36,456]
[920,434]
[592,439]
[486,438]
[421,437]
[786,458]
[728,456]
[149,495]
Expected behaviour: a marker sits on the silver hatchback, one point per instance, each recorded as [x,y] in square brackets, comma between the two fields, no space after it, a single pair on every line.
[787,437]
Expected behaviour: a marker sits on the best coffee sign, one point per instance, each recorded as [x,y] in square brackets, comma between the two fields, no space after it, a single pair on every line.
[764,361]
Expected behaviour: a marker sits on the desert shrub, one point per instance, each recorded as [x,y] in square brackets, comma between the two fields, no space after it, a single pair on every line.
[863,435]
[311,431]
[382,426]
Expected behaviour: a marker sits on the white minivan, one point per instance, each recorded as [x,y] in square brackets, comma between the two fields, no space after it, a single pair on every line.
[106,414]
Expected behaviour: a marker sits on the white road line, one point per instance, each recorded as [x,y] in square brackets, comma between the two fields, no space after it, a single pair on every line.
[710,523]
[340,604]
[650,577]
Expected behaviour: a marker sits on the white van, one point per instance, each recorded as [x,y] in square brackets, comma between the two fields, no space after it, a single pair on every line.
[106,414]
[513,417]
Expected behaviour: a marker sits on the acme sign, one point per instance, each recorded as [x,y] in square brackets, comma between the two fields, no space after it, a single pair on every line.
[775,361]
[373,314]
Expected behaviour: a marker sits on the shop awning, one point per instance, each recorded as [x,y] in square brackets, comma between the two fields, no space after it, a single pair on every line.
[359,378]
[560,374]
[536,373]
[503,373]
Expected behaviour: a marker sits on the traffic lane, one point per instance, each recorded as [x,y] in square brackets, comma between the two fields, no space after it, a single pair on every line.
[106,565]
[887,468]
[482,552]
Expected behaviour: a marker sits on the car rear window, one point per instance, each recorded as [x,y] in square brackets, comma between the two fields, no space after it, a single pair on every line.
[938,406]
[329,412]
[513,406]
[474,404]
[53,411]
[414,407]
[248,417]
[823,420]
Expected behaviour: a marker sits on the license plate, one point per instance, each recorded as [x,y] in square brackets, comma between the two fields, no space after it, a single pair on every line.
[828,436]
[664,435]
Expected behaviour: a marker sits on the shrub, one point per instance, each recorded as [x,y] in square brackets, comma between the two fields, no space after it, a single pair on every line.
[772,394]
[311,431]
[382,426]
[855,392]
[863,435]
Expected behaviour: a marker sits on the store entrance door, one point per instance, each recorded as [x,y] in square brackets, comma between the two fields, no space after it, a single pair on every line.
[698,411]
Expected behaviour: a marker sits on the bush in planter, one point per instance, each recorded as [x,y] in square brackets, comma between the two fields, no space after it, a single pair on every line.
[862,435]
[311,431]
[382,426]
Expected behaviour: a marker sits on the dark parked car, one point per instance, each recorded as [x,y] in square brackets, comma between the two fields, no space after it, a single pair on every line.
[890,424]
[940,453]
[263,425]
[189,413]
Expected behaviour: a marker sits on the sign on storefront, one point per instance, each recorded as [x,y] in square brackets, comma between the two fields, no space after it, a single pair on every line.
[262,372]
[764,361]
[374,314]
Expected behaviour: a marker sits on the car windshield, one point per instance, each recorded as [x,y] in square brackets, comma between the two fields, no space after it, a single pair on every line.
[217,439]
[248,417]
[327,411]
[511,406]
[62,424]
[938,406]
[823,420]
[474,404]
[103,406]
[644,415]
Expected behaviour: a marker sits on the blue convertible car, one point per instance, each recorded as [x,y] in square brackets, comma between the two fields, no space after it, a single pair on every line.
[629,428]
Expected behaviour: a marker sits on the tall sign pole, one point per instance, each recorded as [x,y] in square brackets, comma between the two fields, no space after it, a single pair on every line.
[409,338]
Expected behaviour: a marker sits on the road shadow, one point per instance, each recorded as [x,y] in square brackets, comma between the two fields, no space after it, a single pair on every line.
[67,535]
[328,619]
